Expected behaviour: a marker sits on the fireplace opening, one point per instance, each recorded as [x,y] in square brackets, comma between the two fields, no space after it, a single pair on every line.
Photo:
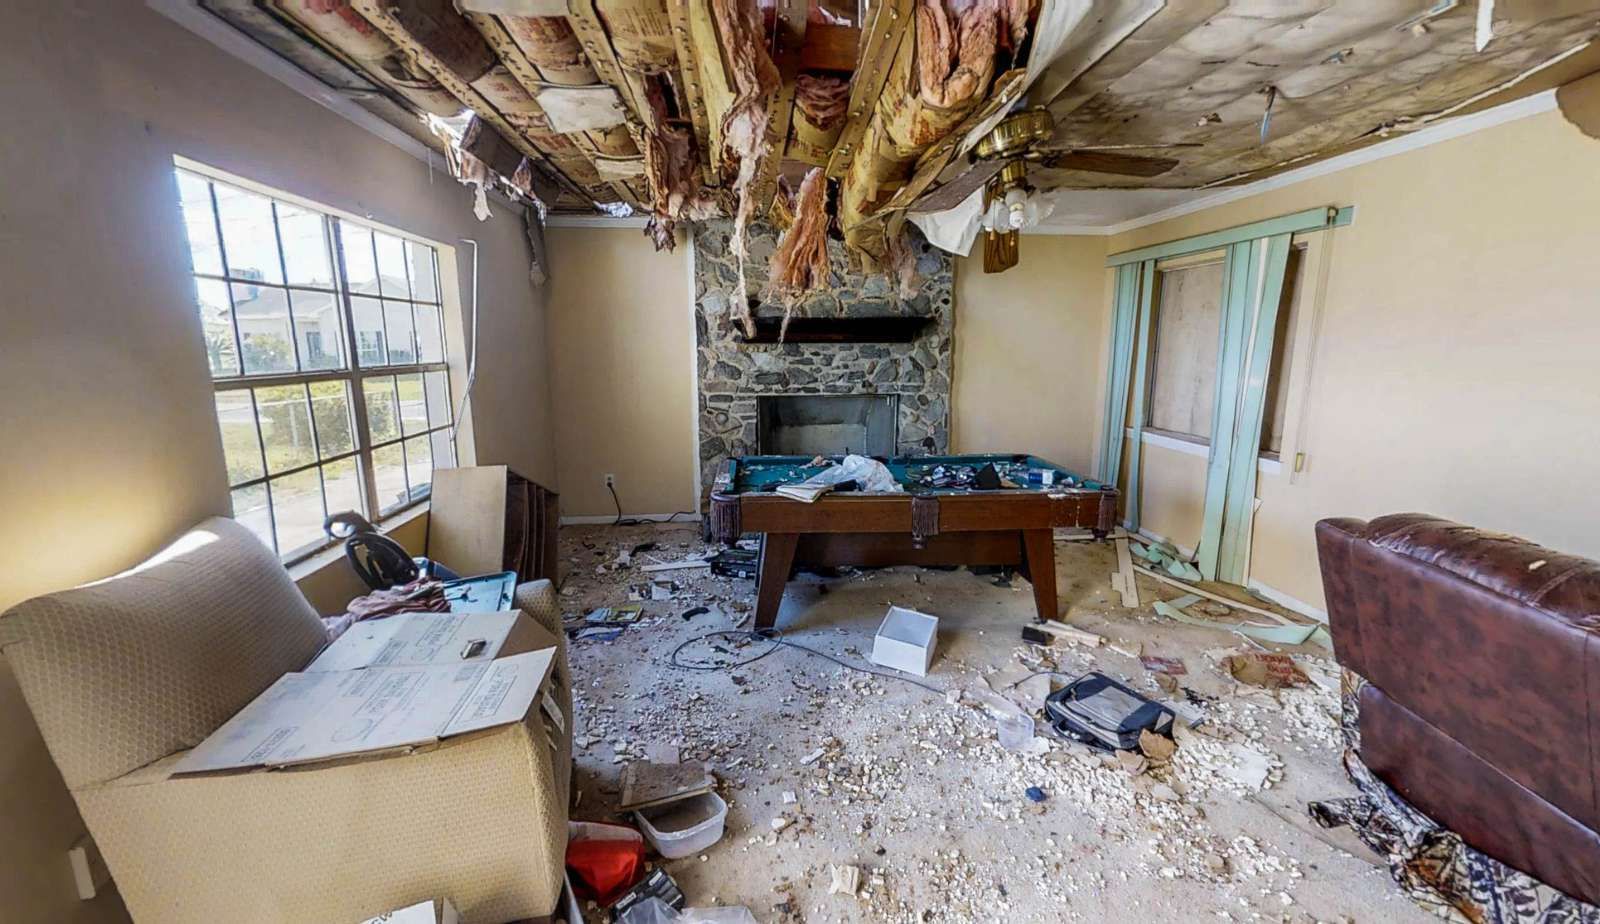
[809,425]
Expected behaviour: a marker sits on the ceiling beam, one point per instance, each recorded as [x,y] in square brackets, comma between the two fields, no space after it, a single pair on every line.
[585,19]
[890,24]
[389,15]
[789,29]
[527,75]
[692,86]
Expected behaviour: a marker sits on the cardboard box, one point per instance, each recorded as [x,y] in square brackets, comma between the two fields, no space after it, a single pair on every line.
[905,641]
[390,687]
[439,911]
[426,638]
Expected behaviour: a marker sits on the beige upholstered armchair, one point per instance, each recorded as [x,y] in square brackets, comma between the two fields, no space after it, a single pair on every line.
[123,676]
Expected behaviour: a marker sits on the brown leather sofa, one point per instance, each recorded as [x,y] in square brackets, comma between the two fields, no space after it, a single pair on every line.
[1482,707]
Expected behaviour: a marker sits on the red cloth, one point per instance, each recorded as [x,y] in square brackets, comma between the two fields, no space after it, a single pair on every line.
[602,867]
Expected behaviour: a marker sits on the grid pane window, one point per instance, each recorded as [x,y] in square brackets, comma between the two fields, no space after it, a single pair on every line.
[325,339]
[409,419]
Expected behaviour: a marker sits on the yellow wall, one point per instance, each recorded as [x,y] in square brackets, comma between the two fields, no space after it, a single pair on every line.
[622,371]
[1452,358]
[110,440]
[1029,346]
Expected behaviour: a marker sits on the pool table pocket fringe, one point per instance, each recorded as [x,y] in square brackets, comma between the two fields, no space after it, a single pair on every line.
[924,517]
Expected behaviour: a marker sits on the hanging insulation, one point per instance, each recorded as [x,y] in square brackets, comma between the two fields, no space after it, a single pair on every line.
[753,78]
[955,61]
[935,81]
[780,214]
[552,48]
[902,263]
[672,171]
[820,103]
[800,262]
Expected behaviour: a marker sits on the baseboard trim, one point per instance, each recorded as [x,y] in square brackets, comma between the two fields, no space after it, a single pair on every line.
[1266,591]
[610,518]
[1289,603]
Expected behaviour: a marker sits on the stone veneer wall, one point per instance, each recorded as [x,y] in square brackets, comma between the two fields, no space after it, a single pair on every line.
[732,375]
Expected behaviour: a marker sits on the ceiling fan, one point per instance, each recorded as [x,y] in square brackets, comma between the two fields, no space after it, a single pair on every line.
[1002,160]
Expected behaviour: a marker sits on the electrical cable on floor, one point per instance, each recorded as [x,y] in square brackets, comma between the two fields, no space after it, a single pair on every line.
[1040,674]
[639,521]
[775,637]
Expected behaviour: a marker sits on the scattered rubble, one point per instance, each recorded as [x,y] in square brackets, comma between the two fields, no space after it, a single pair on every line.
[841,784]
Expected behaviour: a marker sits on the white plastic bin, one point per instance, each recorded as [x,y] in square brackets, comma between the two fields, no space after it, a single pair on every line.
[686,827]
[905,641]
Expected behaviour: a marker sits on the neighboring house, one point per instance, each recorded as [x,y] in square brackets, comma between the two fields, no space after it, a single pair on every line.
[263,319]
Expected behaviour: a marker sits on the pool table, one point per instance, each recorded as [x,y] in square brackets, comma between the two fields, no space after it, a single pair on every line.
[942,518]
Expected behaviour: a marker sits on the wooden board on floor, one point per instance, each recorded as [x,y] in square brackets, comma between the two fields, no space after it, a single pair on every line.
[1125,582]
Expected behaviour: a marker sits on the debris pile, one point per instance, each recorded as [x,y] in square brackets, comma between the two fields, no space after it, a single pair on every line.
[852,797]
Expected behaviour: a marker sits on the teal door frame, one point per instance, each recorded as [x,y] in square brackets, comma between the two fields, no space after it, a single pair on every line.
[1256,257]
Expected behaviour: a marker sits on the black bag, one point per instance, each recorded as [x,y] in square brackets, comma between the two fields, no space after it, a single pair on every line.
[1102,713]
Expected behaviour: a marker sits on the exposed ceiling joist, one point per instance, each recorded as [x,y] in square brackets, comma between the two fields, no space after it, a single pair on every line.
[890,24]
[691,84]
[596,146]
[789,38]
[459,43]
[1145,94]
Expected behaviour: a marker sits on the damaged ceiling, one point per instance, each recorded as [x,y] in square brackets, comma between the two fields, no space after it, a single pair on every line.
[684,109]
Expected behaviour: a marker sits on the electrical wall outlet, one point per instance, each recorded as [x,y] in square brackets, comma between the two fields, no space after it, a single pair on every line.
[611,480]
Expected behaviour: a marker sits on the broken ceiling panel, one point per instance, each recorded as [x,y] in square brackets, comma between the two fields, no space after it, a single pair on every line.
[1334,71]
[579,109]
[641,101]
[345,33]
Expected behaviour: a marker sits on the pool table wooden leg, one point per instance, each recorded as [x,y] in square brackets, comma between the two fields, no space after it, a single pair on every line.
[777,561]
[1039,548]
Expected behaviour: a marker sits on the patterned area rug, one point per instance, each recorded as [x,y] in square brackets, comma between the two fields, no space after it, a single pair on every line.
[1434,867]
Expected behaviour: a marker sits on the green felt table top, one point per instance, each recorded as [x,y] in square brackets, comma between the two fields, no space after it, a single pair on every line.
[753,474]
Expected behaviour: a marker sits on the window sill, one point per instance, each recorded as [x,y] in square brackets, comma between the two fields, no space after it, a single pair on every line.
[1191,446]
[333,554]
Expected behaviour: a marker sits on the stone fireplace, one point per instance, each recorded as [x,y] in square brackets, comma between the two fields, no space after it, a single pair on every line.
[908,381]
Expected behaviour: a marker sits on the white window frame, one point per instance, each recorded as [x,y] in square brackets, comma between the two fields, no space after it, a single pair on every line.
[353,373]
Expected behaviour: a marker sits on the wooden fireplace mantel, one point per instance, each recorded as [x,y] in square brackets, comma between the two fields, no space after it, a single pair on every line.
[891,329]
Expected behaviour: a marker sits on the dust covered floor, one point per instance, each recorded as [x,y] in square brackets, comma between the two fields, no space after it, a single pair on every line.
[913,787]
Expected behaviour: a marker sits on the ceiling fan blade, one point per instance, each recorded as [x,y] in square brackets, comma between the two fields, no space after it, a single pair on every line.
[956,191]
[1106,162]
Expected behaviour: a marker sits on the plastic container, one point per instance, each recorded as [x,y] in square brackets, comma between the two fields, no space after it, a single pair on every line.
[905,641]
[686,827]
[1015,730]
